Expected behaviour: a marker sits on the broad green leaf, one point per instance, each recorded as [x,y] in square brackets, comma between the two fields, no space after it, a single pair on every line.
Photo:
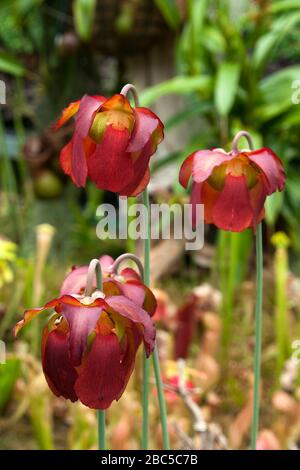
[269,41]
[9,372]
[226,86]
[11,65]
[84,15]
[290,119]
[169,10]
[193,109]
[198,8]
[213,40]
[284,5]
[177,85]
[276,92]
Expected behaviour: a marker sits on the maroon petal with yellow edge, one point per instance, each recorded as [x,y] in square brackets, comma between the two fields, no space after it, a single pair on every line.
[53,304]
[128,309]
[233,210]
[58,369]
[32,313]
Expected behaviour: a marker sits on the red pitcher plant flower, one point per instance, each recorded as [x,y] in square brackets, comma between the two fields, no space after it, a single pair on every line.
[90,342]
[112,142]
[232,186]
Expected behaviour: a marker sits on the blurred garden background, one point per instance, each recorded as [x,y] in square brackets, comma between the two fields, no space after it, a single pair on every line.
[207,69]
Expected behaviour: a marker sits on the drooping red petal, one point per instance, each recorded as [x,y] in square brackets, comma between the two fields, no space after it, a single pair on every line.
[186,170]
[130,344]
[101,379]
[195,199]
[258,196]
[209,197]
[32,313]
[82,321]
[128,309]
[145,124]
[110,167]
[205,161]
[79,168]
[139,294]
[272,167]
[59,372]
[67,113]
[88,106]
[232,210]
[137,186]
[65,158]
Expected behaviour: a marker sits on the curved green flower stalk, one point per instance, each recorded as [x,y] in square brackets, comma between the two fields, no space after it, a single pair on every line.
[95,267]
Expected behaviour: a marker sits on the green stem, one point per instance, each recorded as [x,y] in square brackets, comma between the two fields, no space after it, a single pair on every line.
[146,363]
[258,335]
[161,400]
[155,359]
[95,268]
[101,430]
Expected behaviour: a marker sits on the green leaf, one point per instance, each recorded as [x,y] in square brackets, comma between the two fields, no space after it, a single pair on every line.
[198,9]
[271,40]
[11,65]
[193,109]
[284,5]
[213,40]
[273,207]
[276,92]
[226,86]
[177,85]
[84,15]
[169,11]
[9,372]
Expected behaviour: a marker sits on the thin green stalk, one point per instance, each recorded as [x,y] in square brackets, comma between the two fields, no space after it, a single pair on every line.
[258,335]
[155,359]
[101,430]
[146,363]
[95,267]
[161,400]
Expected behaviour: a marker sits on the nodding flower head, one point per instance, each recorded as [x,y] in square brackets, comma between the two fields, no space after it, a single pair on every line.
[112,143]
[90,342]
[232,186]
